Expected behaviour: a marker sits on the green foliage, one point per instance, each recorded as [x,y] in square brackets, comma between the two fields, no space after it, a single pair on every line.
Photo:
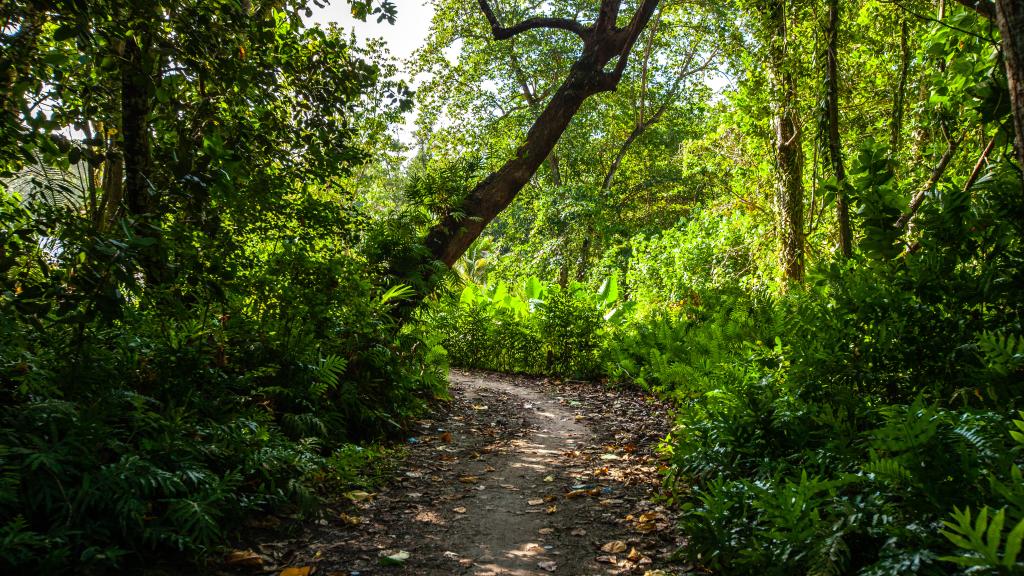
[210,346]
[534,328]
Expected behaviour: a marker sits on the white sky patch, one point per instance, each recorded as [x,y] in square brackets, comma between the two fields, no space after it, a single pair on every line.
[405,36]
[408,33]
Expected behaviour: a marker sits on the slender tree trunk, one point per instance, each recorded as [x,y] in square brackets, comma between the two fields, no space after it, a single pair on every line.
[789,156]
[835,149]
[899,103]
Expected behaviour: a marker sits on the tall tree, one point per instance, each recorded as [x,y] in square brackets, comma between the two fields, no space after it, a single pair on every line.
[788,144]
[603,41]
[1009,17]
[835,150]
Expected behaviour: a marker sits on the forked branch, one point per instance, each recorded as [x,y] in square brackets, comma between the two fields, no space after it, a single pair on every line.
[503,33]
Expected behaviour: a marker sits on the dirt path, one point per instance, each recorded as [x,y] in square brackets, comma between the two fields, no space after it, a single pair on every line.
[520,477]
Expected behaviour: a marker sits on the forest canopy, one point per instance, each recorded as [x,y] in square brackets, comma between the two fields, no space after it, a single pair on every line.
[230,282]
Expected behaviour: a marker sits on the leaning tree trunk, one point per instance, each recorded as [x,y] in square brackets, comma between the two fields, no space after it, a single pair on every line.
[603,41]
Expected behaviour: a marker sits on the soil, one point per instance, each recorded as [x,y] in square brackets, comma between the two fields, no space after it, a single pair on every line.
[515,476]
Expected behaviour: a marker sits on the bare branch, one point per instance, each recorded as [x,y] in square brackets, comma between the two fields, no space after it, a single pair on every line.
[643,15]
[502,33]
[918,199]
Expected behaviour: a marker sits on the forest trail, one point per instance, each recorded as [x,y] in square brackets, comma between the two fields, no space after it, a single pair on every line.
[519,476]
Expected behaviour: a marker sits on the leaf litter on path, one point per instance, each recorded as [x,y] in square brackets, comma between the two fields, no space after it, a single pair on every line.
[585,455]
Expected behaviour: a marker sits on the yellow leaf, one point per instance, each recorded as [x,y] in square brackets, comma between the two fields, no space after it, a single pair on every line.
[298,571]
[614,547]
[246,558]
[358,495]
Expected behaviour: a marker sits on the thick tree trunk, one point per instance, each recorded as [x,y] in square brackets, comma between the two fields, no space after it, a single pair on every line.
[789,156]
[449,239]
[835,149]
[1010,19]
[603,41]
[136,102]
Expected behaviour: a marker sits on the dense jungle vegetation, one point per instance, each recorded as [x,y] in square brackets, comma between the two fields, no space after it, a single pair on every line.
[225,283]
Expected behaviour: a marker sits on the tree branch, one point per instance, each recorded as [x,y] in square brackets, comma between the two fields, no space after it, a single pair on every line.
[918,199]
[502,33]
[986,8]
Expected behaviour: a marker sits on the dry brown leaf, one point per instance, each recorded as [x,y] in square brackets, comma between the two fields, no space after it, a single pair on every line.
[546,531]
[608,559]
[552,509]
[579,532]
[468,479]
[459,510]
[446,437]
[535,501]
[350,520]
[614,547]
[246,558]
[297,571]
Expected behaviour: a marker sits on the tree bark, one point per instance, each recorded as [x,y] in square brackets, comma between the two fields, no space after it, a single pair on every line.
[1009,17]
[1010,20]
[602,42]
[899,103]
[835,150]
[136,102]
[789,155]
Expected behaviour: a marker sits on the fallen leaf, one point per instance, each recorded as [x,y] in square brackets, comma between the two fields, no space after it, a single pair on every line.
[579,532]
[610,457]
[358,495]
[396,559]
[548,565]
[468,479]
[546,531]
[350,520]
[614,547]
[633,555]
[446,437]
[552,509]
[246,558]
[489,469]
[535,501]
[608,559]
[298,571]
[459,510]
[549,478]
